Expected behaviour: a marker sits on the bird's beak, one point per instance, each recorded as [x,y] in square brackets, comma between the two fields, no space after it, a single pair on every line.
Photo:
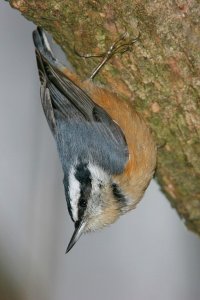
[79,228]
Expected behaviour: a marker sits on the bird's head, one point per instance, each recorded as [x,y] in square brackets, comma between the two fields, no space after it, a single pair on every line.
[93,199]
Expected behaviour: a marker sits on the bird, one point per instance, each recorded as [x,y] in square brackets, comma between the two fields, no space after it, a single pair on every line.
[106,149]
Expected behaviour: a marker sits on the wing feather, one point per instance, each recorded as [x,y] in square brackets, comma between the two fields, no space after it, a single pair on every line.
[61,96]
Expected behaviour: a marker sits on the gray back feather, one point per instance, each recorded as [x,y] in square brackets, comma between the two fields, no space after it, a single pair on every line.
[82,129]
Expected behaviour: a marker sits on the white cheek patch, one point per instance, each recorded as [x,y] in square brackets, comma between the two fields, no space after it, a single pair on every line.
[98,174]
[74,193]
[99,177]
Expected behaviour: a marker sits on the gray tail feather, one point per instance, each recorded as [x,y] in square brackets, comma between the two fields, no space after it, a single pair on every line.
[44,55]
[42,45]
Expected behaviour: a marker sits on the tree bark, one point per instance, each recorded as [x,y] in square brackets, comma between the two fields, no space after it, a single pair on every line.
[161,74]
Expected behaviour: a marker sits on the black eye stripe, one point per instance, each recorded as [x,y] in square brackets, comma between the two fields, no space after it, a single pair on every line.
[117,192]
[82,203]
[83,175]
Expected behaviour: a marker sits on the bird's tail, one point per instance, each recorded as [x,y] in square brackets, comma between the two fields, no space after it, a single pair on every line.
[42,45]
[44,55]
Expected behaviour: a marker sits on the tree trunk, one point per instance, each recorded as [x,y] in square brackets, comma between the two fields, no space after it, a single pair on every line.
[161,74]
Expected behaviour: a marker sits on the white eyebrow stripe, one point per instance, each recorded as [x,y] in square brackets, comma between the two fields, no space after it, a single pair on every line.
[74,193]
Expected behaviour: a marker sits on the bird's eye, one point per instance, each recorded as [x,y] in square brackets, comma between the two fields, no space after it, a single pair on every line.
[82,203]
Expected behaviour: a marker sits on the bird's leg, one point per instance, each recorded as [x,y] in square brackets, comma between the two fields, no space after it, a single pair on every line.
[119,46]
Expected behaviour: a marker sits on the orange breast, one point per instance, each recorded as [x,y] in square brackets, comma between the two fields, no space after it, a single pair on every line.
[142,151]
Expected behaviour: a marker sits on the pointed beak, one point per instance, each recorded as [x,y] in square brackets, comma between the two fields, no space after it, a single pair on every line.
[79,228]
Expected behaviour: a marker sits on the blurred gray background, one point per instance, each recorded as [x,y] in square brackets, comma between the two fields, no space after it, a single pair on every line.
[147,254]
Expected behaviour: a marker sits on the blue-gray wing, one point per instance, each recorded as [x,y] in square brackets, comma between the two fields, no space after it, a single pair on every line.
[67,104]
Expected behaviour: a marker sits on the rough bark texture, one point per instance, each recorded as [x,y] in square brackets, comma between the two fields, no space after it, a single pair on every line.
[161,74]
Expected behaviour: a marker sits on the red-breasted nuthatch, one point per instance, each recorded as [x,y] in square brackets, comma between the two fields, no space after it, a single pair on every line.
[106,149]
